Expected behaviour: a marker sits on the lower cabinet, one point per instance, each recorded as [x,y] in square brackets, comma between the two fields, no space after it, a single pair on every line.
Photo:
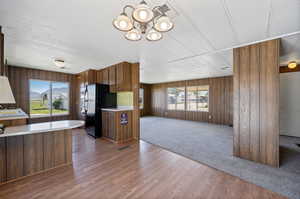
[117,126]
[26,155]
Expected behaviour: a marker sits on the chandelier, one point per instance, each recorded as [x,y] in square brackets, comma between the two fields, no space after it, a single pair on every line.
[144,21]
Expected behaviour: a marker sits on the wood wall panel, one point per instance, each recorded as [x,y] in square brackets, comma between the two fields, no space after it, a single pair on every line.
[33,154]
[14,157]
[220,101]
[2,70]
[59,148]
[158,100]
[19,80]
[124,132]
[135,78]
[286,69]
[2,160]
[48,150]
[256,99]
[68,146]
[147,100]
[26,155]
[236,102]
[254,102]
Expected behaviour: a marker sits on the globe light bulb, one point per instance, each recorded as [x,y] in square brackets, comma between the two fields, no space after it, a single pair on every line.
[133,35]
[142,13]
[153,35]
[163,24]
[123,23]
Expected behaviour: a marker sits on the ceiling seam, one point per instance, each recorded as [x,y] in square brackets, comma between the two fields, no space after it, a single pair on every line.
[269,19]
[229,18]
[237,46]
[201,33]
[191,22]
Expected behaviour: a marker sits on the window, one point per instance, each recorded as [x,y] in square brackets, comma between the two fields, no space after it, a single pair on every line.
[48,98]
[176,98]
[197,98]
[141,98]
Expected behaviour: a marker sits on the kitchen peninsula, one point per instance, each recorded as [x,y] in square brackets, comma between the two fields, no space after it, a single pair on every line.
[117,124]
[33,148]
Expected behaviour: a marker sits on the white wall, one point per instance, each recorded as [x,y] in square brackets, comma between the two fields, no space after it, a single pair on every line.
[290,104]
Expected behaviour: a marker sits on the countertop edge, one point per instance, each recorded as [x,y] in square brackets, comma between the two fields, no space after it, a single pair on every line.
[14,118]
[116,110]
[80,124]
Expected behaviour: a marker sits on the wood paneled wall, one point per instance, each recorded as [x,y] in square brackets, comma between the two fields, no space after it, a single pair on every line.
[147,100]
[256,102]
[286,69]
[19,80]
[1,52]
[135,80]
[220,101]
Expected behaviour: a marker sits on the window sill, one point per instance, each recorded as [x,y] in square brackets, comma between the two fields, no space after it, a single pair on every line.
[198,111]
[47,116]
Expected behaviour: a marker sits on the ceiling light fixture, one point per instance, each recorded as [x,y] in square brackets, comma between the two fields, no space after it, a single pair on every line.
[60,63]
[144,21]
[292,64]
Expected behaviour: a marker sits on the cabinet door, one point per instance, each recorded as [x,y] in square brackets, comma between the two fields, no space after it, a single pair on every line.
[124,130]
[91,76]
[105,126]
[99,78]
[105,77]
[112,78]
[112,125]
[124,77]
[109,125]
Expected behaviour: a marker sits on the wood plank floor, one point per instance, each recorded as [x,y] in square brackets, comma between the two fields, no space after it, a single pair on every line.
[102,171]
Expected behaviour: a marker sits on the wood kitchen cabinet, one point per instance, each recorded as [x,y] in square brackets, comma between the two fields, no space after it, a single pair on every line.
[113,129]
[118,77]
[88,77]
[123,71]
[102,76]
[112,72]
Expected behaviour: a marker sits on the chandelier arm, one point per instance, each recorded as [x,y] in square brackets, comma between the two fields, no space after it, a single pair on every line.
[156,9]
[127,6]
[134,24]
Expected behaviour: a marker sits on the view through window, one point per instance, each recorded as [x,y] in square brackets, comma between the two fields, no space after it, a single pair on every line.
[48,98]
[197,98]
[141,98]
[176,98]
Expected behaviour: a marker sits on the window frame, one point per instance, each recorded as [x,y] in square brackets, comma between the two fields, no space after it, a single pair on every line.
[50,110]
[184,102]
[143,99]
[197,97]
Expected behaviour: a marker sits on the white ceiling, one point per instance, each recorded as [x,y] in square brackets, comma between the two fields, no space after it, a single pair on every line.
[200,45]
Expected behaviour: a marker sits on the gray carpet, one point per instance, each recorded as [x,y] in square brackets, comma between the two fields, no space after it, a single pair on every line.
[212,145]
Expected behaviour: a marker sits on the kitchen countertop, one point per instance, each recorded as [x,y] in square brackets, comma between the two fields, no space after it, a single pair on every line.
[12,114]
[41,128]
[118,109]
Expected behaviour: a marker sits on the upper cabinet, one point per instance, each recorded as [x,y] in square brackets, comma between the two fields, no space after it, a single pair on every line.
[112,78]
[102,76]
[118,77]
[124,77]
[88,77]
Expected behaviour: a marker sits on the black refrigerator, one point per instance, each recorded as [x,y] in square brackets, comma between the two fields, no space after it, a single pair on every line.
[96,97]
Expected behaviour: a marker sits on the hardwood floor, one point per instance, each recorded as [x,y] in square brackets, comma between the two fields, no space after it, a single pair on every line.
[143,170]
